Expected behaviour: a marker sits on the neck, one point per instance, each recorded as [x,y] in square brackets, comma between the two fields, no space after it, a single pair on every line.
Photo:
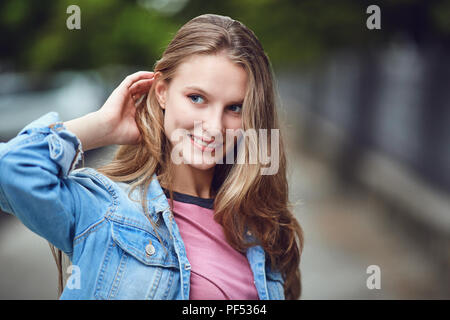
[193,181]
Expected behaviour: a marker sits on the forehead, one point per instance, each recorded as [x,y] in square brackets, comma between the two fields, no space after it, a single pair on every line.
[215,74]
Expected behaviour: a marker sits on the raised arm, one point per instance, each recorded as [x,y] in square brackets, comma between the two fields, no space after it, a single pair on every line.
[115,122]
[35,184]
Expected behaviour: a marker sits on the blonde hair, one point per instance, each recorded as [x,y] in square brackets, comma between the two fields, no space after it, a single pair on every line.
[243,197]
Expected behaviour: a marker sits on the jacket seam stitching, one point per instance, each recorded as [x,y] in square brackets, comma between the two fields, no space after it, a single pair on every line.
[169,285]
[88,231]
[156,282]
[32,137]
[128,222]
[118,277]
[98,294]
[111,208]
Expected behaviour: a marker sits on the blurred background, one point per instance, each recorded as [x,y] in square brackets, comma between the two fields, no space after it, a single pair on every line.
[366,114]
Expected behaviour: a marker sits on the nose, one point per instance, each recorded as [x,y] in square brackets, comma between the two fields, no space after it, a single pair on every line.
[213,124]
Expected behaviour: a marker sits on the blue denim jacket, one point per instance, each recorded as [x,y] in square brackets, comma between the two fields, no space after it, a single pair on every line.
[89,217]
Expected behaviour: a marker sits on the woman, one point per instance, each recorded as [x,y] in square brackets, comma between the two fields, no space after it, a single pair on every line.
[227,232]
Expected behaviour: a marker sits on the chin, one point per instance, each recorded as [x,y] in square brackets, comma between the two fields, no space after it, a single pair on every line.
[201,166]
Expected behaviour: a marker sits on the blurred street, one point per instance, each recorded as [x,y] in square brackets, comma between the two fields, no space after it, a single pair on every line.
[345,232]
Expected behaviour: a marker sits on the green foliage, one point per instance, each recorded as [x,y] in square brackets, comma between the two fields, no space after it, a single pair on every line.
[35,37]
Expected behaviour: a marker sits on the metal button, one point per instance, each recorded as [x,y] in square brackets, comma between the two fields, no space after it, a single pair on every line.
[150,249]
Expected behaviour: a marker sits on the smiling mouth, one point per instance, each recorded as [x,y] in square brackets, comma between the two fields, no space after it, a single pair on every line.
[204,144]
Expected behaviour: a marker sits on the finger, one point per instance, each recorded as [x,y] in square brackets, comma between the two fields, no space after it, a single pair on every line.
[141,86]
[132,78]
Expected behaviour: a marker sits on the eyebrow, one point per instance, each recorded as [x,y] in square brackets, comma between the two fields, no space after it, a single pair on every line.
[207,94]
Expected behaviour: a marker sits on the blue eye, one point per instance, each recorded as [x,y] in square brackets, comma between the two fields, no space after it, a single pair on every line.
[195,96]
[236,106]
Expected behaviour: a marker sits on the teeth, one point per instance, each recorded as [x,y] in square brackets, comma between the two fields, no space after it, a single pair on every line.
[201,142]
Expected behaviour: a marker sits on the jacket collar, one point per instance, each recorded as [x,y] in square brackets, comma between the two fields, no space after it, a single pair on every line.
[156,199]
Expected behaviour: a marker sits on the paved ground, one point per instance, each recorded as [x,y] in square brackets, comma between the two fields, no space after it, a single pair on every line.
[345,232]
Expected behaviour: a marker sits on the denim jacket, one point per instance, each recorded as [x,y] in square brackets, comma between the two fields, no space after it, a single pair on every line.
[106,235]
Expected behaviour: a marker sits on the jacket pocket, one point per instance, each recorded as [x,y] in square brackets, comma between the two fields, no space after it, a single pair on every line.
[136,266]
[143,245]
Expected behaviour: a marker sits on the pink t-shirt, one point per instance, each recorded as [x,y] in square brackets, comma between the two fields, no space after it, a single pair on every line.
[218,271]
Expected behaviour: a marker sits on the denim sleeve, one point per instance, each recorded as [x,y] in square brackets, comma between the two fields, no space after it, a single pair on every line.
[34,182]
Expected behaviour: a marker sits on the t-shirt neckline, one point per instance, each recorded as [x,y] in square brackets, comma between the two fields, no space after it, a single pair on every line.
[187,198]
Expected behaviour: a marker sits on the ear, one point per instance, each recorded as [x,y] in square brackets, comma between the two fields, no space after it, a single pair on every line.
[161,89]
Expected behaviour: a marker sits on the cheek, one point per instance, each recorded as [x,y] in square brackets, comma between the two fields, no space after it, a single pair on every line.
[177,117]
[233,123]
[233,141]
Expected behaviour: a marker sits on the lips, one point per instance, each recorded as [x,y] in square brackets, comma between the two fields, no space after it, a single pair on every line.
[203,142]
[201,139]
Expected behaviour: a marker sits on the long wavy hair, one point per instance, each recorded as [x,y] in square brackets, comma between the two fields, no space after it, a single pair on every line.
[244,198]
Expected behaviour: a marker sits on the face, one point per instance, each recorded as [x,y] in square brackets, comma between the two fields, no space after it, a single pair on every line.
[202,102]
